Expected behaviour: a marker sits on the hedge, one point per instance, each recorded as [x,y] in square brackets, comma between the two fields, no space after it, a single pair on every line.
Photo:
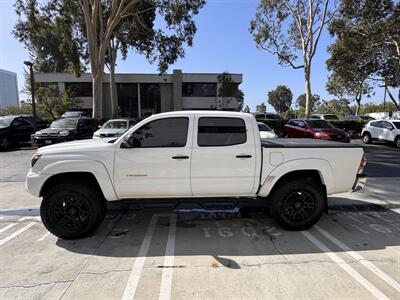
[354,128]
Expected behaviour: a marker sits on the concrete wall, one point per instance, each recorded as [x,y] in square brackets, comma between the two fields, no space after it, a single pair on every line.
[8,89]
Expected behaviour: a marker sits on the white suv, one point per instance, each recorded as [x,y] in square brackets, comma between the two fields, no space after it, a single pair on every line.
[384,130]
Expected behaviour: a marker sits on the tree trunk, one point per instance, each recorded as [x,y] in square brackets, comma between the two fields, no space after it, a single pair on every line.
[307,76]
[97,95]
[113,85]
[358,104]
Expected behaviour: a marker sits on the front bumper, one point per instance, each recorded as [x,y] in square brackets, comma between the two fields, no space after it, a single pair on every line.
[34,183]
[360,182]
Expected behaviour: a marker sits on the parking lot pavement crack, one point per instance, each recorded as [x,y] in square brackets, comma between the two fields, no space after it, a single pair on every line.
[105,272]
[35,285]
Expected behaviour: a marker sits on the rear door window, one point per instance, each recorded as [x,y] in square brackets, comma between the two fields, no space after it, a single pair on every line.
[216,131]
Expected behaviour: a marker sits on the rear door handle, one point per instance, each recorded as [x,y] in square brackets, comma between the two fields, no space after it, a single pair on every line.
[243,156]
[180,157]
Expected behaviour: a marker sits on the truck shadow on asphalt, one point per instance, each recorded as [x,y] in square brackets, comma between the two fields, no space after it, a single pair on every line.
[223,235]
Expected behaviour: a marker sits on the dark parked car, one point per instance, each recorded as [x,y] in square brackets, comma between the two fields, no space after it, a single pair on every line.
[17,129]
[66,129]
[315,129]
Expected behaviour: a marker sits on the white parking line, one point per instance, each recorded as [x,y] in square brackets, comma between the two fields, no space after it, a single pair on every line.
[7,227]
[166,277]
[370,266]
[43,237]
[341,263]
[16,233]
[137,268]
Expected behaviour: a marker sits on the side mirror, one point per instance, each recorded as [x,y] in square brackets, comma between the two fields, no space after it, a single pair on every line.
[129,141]
[99,126]
[126,142]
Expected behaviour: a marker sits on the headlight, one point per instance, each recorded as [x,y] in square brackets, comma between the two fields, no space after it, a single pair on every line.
[64,132]
[35,158]
[38,133]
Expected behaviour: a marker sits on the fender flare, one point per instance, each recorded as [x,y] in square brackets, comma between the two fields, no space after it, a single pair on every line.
[322,166]
[96,168]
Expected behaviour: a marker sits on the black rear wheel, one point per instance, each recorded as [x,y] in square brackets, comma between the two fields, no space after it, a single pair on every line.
[297,204]
[72,210]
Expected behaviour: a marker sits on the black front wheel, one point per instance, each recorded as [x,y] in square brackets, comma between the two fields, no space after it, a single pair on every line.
[297,204]
[5,143]
[72,210]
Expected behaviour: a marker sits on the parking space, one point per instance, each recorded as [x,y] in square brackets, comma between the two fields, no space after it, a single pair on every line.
[353,252]
[204,256]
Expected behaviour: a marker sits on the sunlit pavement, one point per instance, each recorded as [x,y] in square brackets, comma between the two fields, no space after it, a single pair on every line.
[353,252]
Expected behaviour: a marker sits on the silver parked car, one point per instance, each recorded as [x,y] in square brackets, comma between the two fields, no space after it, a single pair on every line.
[114,128]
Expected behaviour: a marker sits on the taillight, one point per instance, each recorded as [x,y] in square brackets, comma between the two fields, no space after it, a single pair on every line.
[362,165]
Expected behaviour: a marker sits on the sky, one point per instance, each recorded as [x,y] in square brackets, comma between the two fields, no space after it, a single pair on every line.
[222,43]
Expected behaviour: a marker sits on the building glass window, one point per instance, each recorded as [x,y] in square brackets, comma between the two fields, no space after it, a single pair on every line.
[79,89]
[221,131]
[199,89]
[128,99]
[150,99]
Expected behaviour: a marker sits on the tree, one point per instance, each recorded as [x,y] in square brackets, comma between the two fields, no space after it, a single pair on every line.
[262,108]
[50,103]
[287,28]
[301,101]
[338,107]
[102,20]
[280,98]
[229,90]
[48,37]
[366,48]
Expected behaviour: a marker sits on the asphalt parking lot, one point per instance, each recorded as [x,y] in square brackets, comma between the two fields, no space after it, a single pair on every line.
[354,251]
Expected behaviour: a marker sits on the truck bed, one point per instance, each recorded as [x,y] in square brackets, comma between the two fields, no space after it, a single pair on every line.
[304,143]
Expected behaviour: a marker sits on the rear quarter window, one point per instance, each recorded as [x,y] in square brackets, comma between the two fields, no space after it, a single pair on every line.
[216,131]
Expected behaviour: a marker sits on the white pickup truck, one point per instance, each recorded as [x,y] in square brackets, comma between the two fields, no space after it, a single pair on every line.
[202,157]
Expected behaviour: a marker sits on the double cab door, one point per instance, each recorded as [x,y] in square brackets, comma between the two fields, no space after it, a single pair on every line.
[187,156]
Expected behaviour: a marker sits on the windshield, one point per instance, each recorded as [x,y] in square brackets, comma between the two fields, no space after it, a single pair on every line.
[264,127]
[321,124]
[6,121]
[64,123]
[397,124]
[120,124]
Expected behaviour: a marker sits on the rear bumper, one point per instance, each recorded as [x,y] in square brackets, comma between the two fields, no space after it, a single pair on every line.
[360,182]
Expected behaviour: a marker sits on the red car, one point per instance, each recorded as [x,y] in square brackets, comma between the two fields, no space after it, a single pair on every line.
[314,129]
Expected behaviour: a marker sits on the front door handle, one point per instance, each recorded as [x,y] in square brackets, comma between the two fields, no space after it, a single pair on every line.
[243,156]
[180,157]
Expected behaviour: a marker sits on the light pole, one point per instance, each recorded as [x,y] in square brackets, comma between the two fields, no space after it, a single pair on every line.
[30,65]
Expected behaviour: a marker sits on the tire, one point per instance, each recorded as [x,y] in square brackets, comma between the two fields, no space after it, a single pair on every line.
[367,138]
[397,142]
[72,210]
[288,203]
[5,143]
